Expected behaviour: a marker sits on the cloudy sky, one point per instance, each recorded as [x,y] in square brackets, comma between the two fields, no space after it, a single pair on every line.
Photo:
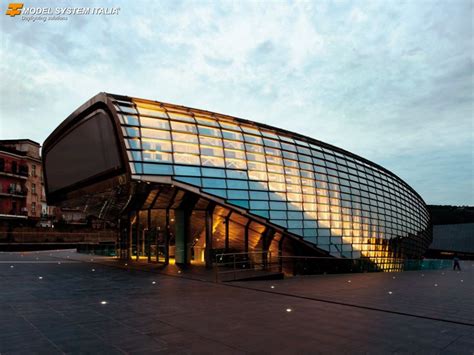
[391,81]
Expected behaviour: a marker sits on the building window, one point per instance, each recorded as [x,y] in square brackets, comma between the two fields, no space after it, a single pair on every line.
[33,207]
[33,187]
[33,170]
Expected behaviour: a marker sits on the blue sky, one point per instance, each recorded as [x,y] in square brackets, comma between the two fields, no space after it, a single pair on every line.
[391,81]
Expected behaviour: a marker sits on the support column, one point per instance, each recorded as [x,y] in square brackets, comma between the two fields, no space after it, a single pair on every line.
[280,252]
[209,224]
[181,226]
[137,234]
[148,235]
[130,237]
[226,240]
[246,237]
[267,238]
[167,237]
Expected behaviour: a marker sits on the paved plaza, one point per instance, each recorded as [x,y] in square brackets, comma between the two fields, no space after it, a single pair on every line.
[63,302]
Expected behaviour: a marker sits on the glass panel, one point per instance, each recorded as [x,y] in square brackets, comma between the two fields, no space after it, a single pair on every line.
[259,195]
[235,154]
[213,172]
[208,131]
[288,147]
[187,170]
[237,174]
[259,205]
[130,120]
[157,156]
[153,133]
[232,135]
[181,116]
[242,194]
[256,166]
[150,110]
[271,143]
[183,127]
[131,132]
[235,163]
[269,134]
[206,121]
[212,161]
[126,109]
[250,130]
[157,169]
[275,169]
[277,186]
[240,203]
[234,145]
[185,148]
[132,143]
[151,144]
[183,158]
[214,183]
[257,175]
[229,125]
[258,185]
[210,141]
[154,123]
[237,184]
[272,151]
[212,151]
[253,139]
[254,148]
[189,180]
[276,177]
[274,160]
[256,157]
[183,137]
[220,193]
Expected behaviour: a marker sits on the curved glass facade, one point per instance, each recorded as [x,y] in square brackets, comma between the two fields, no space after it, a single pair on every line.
[335,200]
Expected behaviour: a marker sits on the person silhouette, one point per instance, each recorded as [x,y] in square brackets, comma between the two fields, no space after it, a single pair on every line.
[456,264]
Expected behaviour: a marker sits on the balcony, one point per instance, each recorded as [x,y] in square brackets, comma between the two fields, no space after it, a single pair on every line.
[21,172]
[13,192]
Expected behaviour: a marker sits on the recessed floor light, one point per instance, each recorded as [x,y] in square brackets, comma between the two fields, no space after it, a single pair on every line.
[40,277]
[154,282]
[103,302]
[390,292]
[288,310]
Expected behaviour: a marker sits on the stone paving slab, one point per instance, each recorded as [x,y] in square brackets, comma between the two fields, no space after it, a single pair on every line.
[443,294]
[86,307]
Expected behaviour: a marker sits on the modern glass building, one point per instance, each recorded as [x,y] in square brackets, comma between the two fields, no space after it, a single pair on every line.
[188,184]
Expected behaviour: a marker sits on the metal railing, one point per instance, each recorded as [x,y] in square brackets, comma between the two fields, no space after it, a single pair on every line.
[234,266]
[57,237]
